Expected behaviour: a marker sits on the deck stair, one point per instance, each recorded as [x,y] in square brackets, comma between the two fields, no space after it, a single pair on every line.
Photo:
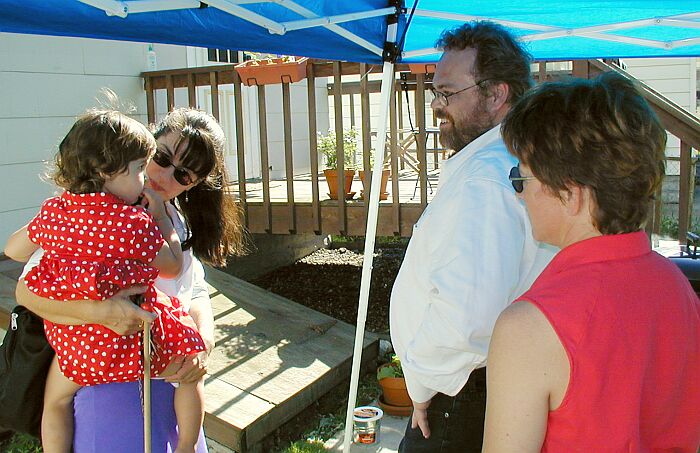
[273,358]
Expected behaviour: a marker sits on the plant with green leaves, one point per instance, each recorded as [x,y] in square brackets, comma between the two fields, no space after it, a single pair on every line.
[390,369]
[327,147]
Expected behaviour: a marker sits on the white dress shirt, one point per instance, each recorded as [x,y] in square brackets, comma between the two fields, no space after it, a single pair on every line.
[470,255]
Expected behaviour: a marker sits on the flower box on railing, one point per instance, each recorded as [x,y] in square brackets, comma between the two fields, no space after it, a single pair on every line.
[422,68]
[272,70]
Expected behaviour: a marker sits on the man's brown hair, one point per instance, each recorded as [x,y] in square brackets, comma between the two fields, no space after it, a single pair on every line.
[499,56]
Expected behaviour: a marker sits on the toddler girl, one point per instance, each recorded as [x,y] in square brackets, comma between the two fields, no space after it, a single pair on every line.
[96,243]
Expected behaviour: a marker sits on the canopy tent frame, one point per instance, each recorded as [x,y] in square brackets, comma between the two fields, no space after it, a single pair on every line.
[592,32]
[124,8]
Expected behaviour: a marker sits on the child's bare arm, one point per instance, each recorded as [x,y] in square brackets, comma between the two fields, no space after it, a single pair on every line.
[19,247]
[169,260]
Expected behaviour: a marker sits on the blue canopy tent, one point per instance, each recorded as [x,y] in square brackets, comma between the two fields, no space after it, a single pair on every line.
[371,31]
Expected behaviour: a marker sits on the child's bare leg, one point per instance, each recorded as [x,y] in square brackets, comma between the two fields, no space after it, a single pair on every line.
[189,409]
[57,419]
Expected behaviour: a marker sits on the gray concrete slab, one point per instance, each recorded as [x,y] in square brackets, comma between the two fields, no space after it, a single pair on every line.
[391,433]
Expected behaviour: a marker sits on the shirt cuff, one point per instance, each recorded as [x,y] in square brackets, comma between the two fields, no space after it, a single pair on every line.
[417,392]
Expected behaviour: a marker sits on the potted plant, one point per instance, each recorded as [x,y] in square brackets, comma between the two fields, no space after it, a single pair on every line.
[383,195]
[327,147]
[395,399]
[264,71]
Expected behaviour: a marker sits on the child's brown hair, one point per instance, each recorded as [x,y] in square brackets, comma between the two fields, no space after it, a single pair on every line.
[101,143]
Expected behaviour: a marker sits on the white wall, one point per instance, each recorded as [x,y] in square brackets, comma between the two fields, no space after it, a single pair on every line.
[674,78]
[45,82]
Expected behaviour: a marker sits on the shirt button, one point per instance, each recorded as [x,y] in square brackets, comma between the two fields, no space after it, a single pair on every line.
[447,415]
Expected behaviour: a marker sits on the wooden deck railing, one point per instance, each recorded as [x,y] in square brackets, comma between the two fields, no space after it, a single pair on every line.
[287,213]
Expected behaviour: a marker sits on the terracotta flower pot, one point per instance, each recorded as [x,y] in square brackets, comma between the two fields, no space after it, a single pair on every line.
[332,180]
[422,68]
[273,70]
[394,391]
[385,180]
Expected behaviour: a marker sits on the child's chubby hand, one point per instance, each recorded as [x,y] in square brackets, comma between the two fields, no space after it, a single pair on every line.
[154,203]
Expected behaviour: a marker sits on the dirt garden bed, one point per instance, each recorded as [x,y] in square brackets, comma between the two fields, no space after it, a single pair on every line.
[328,281]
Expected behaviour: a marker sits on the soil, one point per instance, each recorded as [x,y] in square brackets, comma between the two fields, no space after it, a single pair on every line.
[328,281]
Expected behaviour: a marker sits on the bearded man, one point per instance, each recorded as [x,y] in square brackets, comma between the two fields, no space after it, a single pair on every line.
[472,251]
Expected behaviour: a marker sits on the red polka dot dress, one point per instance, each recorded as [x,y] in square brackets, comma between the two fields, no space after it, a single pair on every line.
[94,246]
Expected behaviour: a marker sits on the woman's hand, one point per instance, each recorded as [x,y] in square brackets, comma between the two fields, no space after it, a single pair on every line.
[123,316]
[188,369]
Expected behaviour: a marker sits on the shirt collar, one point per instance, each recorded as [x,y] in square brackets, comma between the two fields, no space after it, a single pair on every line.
[456,160]
[609,247]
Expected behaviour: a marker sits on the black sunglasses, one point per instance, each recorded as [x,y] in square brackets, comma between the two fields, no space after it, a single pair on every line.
[181,175]
[517,179]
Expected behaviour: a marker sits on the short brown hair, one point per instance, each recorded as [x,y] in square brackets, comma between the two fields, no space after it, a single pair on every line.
[100,143]
[598,133]
[500,58]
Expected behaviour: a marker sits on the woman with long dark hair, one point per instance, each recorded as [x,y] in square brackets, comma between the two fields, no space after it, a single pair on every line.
[188,172]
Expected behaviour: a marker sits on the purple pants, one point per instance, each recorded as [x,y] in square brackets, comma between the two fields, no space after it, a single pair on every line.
[109,417]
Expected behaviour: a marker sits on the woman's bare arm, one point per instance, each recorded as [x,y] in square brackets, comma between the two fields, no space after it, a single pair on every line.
[118,313]
[194,367]
[527,375]
[169,260]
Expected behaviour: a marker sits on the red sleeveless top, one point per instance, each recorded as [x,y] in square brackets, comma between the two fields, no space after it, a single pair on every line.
[630,324]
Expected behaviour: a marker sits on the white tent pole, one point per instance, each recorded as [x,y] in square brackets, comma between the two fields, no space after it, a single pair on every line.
[370,233]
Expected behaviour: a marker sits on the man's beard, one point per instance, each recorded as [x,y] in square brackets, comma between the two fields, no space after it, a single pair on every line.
[466,129]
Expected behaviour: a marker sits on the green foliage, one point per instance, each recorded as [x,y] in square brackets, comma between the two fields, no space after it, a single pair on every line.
[390,369]
[669,226]
[21,443]
[306,446]
[326,145]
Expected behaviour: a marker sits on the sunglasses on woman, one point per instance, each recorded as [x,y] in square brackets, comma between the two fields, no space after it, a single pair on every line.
[181,175]
[517,179]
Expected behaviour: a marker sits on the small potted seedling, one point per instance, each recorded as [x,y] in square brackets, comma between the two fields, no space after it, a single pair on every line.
[327,147]
[395,399]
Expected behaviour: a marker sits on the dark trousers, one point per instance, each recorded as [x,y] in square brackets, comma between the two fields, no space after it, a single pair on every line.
[456,422]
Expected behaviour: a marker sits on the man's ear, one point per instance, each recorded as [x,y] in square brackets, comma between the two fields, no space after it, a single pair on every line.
[498,96]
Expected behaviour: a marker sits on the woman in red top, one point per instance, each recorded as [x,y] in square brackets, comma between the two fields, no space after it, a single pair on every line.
[97,243]
[602,354]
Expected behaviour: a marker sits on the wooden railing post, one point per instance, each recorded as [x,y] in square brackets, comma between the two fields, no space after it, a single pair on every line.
[394,112]
[191,91]
[366,133]
[339,146]
[214,84]
[289,157]
[581,69]
[170,92]
[240,145]
[150,100]
[684,185]
[313,148]
[264,159]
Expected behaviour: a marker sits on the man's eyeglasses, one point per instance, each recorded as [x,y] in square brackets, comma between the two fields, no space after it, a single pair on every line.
[442,98]
[181,175]
[517,179]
